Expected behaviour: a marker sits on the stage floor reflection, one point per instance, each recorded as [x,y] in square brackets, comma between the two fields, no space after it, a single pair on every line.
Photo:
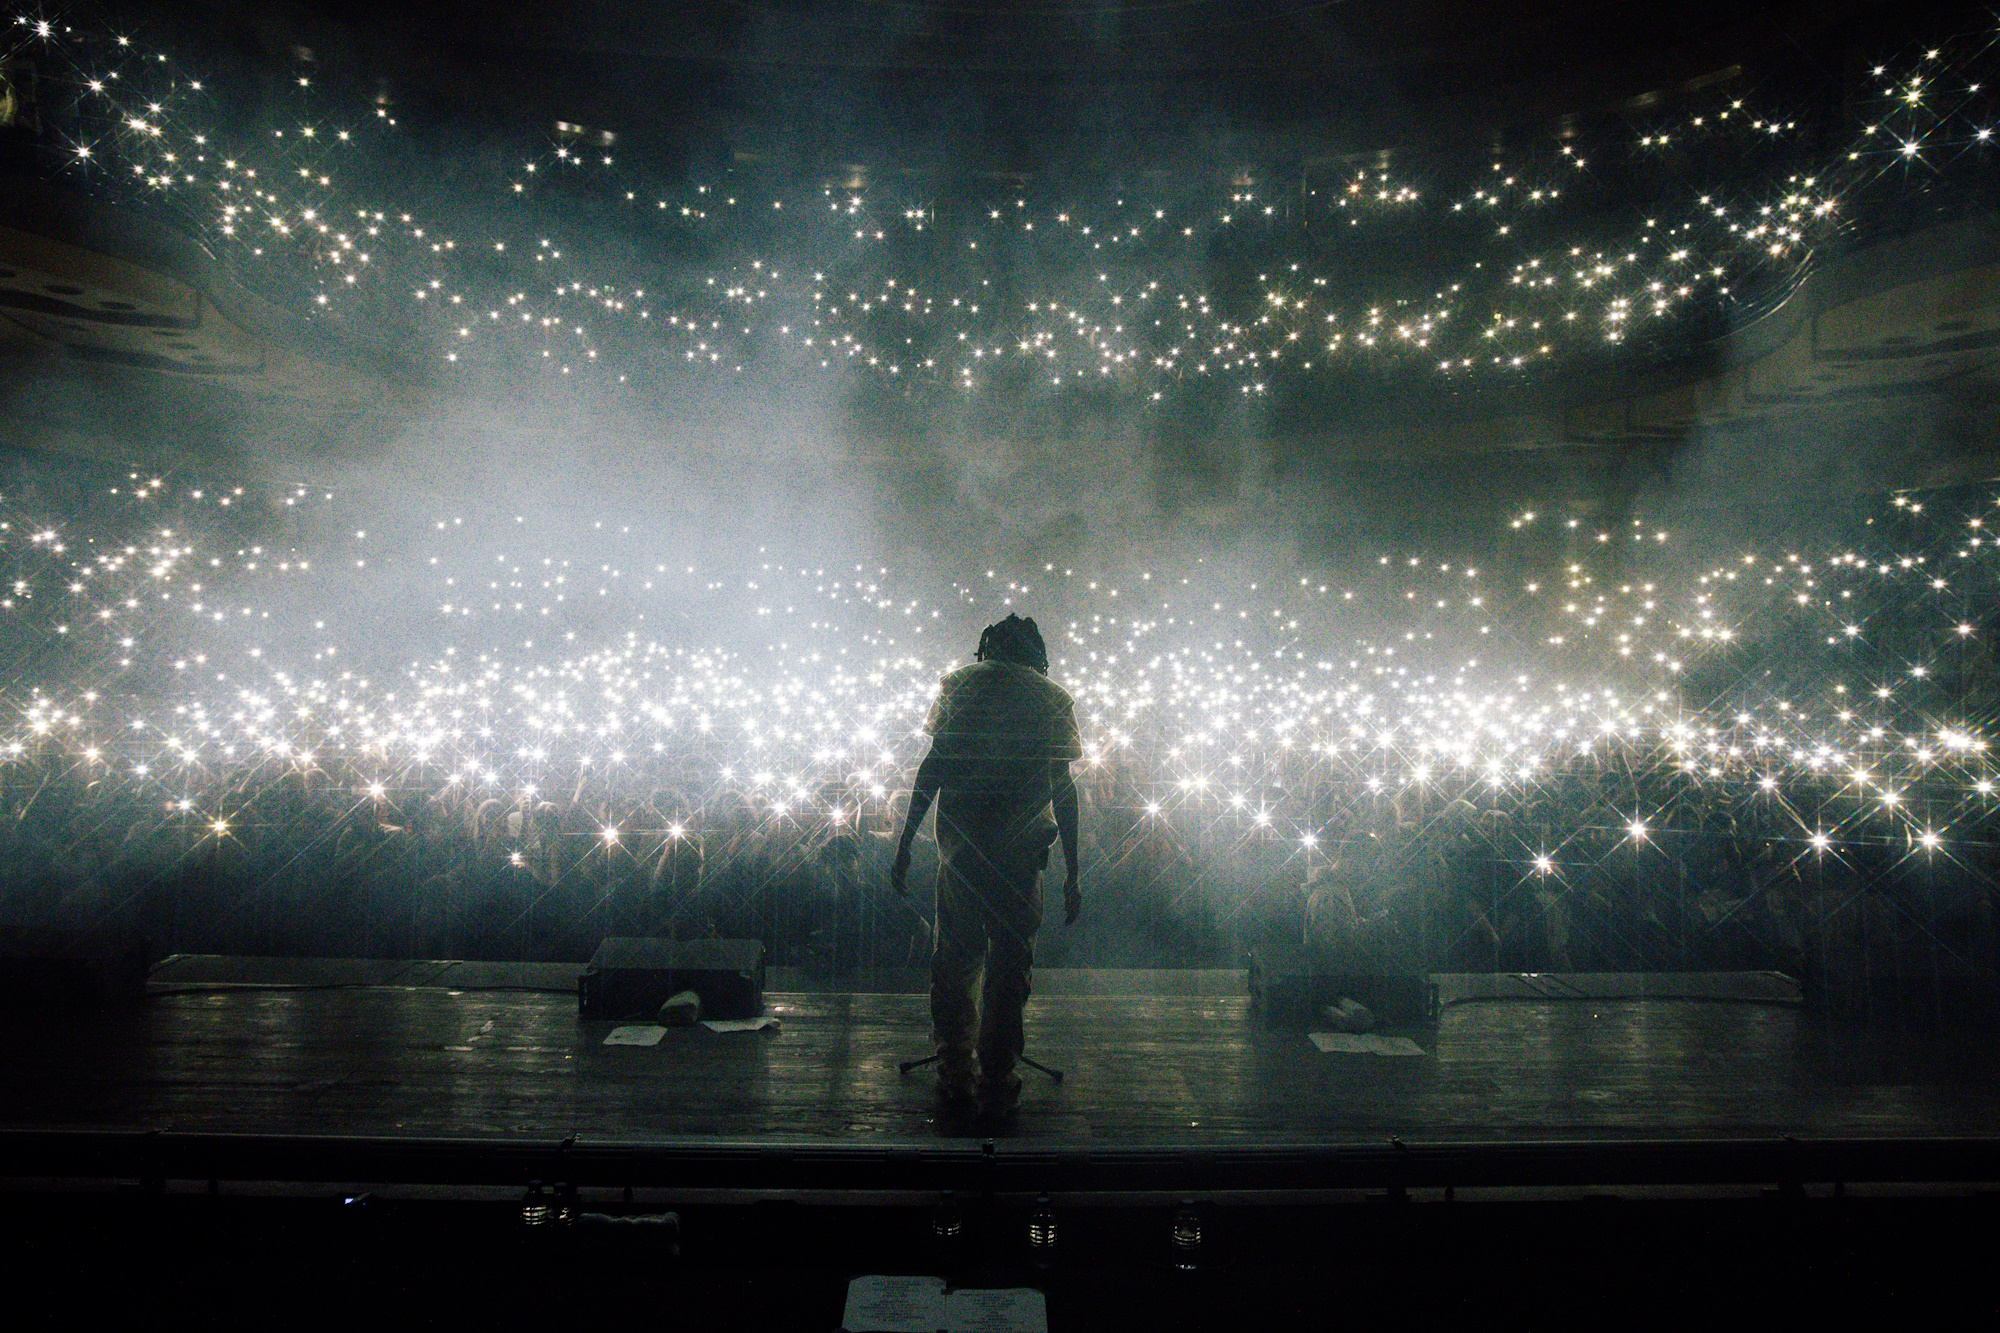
[472,1049]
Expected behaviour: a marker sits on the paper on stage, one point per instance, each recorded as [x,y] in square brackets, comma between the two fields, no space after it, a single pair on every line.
[741,1024]
[649,1034]
[881,1304]
[996,1310]
[1364,1043]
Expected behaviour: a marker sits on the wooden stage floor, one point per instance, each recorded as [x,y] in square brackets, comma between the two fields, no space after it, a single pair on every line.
[398,1048]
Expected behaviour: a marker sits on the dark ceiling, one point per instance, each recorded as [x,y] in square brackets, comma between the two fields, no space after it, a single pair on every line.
[1034,87]
[1072,96]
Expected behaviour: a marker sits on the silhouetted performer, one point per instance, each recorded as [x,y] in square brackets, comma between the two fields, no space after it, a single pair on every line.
[1002,738]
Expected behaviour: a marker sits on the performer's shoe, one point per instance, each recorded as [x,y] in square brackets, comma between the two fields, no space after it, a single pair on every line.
[956,1087]
[999,1099]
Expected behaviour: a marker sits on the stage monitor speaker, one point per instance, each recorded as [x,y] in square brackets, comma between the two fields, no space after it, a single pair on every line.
[631,977]
[72,969]
[1289,987]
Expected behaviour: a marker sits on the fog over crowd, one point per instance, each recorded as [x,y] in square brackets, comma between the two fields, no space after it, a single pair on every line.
[613,602]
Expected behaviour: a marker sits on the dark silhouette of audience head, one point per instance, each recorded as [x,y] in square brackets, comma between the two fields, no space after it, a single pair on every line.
[1014,640]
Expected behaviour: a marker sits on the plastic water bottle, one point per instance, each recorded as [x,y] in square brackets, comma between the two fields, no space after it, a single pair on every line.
[1042,1232]
[945,1221]
[1187,1237]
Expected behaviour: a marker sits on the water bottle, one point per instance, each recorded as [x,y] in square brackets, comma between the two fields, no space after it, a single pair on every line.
[945,1221]
[1187,1237]
[1042,1232]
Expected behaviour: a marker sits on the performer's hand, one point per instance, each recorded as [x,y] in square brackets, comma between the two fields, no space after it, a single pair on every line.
[1072,899]
[899,873]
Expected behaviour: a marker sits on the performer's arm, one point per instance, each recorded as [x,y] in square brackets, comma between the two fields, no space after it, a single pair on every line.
[1063,792]
[922,792]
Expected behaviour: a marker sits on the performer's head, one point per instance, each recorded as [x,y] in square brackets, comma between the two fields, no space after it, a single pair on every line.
[1014,640]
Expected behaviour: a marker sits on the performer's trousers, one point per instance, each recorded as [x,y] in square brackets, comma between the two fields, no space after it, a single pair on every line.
[989,906]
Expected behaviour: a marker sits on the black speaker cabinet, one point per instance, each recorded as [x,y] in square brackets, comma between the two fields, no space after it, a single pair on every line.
[1289,988]
[72,969]
[630,977]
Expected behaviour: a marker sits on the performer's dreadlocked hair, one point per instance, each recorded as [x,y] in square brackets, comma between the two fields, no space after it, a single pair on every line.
[1014,640]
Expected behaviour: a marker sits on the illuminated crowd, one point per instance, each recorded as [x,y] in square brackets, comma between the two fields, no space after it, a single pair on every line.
[243,721]
[253,716]
[1656,229]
